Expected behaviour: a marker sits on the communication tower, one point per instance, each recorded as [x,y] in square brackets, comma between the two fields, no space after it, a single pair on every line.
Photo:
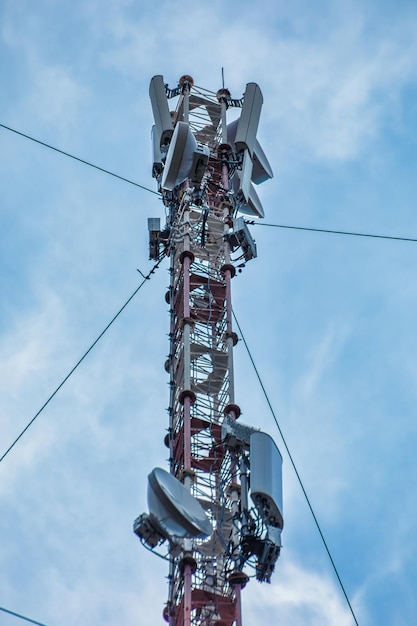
[217,513]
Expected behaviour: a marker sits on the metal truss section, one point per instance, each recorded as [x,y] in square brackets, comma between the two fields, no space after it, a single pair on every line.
[207,454]
[204,115]
[200,382]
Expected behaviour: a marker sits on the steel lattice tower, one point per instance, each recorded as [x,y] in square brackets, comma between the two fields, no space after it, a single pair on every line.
[204,170]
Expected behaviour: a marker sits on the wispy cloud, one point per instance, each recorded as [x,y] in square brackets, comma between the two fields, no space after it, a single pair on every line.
[299,597]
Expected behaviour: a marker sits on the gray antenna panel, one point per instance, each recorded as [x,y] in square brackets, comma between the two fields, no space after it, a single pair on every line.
[262,170]
[162,116]
[180,156]
[245,174]
[156,149]
[251,205]
[249,118]
[254,205]
[176,510]
[185,159]
[266,478]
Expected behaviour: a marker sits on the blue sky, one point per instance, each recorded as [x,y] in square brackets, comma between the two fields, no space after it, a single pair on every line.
[330,320]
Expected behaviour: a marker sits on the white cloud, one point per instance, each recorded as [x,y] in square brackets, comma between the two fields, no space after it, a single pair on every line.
[335,95]
[297,597]
[53,94]
[56,96]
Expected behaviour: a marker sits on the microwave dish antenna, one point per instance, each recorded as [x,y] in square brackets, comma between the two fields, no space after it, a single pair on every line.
[177,512]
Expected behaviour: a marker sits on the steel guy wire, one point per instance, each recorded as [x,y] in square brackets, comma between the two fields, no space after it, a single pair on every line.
[145,278]
[157,193]
[72,156]
[27,619]
[332,232]
[296,471]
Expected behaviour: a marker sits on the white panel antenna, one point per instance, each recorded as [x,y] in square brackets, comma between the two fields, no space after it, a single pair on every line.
[161,113]
[245,174]
[249,118]
[266,478]
[185,158]
[157,166]
[257,169]
[262,170]
[248,205]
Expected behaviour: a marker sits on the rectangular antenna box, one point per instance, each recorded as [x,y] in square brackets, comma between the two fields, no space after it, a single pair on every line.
[154,228]
[266,478]
[154,224]
[160,108]
[249,118]
[241,237]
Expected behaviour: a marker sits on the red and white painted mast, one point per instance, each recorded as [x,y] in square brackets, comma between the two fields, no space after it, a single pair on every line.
[200,517]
